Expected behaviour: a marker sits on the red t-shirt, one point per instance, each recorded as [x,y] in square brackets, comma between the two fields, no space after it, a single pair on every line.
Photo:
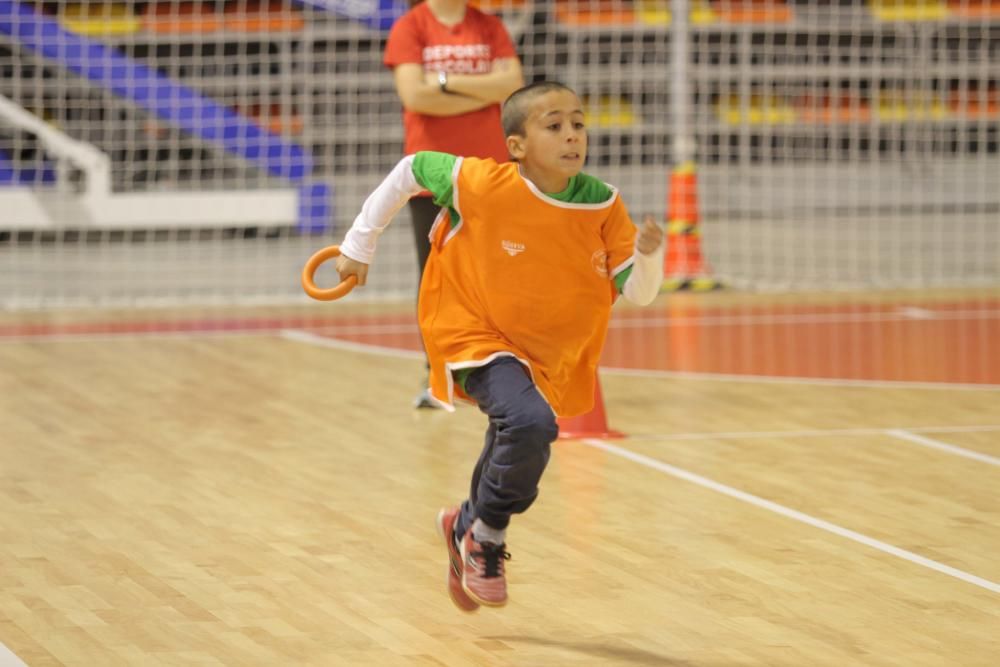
[469,47]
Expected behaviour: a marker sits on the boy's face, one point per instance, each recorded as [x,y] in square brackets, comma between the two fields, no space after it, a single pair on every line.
[554,144]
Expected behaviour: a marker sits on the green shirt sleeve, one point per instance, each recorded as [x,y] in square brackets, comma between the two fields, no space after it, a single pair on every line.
[621,278]
[433,171]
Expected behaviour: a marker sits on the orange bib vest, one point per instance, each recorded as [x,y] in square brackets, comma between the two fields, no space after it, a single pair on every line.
[523,275]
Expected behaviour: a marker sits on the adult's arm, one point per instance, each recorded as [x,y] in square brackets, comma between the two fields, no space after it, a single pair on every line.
[420,95]
[495,86]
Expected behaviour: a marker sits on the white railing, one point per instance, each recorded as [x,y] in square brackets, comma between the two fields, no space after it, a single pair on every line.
[95,205]
[65,149]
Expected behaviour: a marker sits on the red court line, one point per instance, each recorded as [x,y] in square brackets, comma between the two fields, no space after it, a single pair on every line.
[953,342]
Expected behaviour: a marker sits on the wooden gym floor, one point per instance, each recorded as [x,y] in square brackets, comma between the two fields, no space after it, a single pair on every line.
[808,481]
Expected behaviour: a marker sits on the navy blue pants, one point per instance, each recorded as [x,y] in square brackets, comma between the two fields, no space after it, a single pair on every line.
[521,430]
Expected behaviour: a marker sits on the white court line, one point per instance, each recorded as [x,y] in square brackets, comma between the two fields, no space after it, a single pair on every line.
[310,338]
[313,339]
[326,341]
[323,341]
[789,513]
[914,313]
[902,315]
[8,659]
[790,379]
[335,343]
[811,433]
[904,434]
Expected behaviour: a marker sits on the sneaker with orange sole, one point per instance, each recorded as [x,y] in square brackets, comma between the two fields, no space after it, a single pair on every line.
[483,577]
[446,519]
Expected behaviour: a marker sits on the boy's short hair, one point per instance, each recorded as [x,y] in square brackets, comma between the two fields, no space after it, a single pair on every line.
[515,108]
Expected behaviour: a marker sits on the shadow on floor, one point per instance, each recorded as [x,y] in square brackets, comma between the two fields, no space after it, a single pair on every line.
[620,654]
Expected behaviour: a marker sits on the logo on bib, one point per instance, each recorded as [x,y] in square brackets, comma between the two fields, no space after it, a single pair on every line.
[599,260]
[512,248]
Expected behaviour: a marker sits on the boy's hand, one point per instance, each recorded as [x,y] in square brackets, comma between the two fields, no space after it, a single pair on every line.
[349,267]
[650,236]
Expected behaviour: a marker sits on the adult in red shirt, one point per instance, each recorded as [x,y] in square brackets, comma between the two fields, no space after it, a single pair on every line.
[453,66]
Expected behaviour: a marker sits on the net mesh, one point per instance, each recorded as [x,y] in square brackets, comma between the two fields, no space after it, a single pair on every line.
[838,145]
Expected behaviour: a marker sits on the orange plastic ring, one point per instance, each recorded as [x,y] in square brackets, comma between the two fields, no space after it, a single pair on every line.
[309,273]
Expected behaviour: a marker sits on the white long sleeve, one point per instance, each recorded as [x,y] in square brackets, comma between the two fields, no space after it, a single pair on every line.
[378,211]
[643,284]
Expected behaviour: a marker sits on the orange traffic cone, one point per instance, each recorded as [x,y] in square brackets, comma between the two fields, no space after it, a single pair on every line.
[594,424]
[682,199]
[683,265]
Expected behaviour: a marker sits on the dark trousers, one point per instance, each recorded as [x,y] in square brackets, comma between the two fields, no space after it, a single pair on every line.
[423,212]
[521,430]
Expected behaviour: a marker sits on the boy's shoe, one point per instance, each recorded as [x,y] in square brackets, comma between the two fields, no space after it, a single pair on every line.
[424,401]
[446,519]
[483,577]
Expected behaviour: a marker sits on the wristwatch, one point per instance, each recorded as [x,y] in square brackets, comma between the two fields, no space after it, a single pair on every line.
[443,81]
